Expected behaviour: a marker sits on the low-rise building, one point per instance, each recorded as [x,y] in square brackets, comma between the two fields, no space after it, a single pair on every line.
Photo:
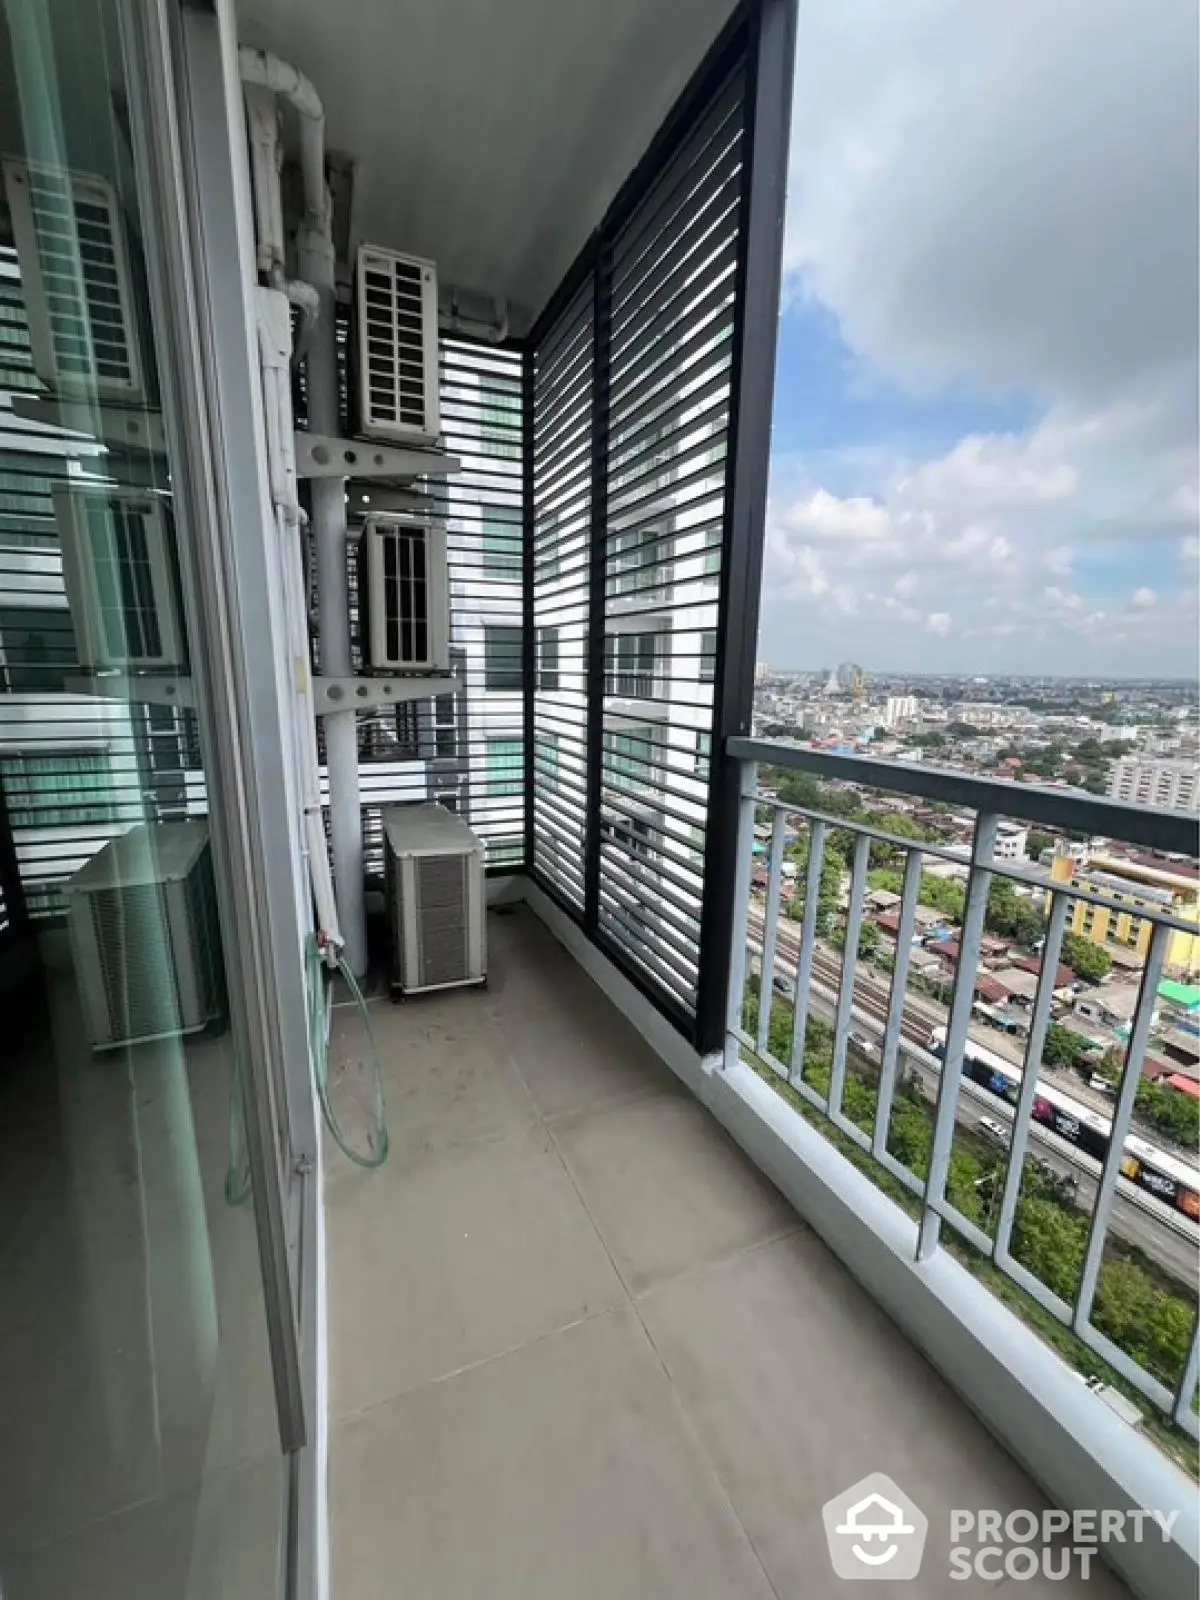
[1133,890]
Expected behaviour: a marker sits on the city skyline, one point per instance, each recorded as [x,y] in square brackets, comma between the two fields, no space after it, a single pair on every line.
[984,456]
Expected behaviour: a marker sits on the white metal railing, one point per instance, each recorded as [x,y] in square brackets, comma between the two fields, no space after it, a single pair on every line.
[803,975]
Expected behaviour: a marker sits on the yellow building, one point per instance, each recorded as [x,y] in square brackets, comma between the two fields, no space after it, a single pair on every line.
[1140,889]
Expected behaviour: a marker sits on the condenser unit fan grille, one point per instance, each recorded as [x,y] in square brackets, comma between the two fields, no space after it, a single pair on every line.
[393,308]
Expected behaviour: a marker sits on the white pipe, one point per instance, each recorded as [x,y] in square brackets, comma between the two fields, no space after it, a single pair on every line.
[274,338]
[315,261]
[473,328]
[306,300]
[262,118]
[281,78]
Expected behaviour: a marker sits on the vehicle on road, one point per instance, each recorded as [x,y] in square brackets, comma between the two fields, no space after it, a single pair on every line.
[995,1131]
[1173,1181]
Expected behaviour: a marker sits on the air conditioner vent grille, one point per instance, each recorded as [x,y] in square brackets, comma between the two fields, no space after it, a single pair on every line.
[72,253]
[403,594]
[442,888]
[397,345]
[406,594]
[130,925]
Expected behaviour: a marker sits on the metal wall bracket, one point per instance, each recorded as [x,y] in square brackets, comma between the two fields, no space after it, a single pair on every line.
[320,456]
[121,427]
[364,694]
[149,691]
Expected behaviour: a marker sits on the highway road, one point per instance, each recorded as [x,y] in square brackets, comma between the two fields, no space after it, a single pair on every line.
[1167,1237]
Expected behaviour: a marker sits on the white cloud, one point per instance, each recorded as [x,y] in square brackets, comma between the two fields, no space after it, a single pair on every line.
[1002,193]
[1143,599]
[998,201]
[824,517]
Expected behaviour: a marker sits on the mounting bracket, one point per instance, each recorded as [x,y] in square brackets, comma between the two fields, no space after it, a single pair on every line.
[363,694]
[319,455]
[164,690]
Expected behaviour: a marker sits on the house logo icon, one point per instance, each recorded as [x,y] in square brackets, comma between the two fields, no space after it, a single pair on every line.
[875,1531]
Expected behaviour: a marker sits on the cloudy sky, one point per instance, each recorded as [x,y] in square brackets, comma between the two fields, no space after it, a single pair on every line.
[985,446]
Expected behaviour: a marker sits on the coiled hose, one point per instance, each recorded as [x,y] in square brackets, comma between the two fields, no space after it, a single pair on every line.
[237,1173]
[318,1046]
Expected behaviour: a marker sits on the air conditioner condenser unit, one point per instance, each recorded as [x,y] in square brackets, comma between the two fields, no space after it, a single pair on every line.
[396,346]
[404,594]
[120,577]
[142,915]
[75,280]
[436,901]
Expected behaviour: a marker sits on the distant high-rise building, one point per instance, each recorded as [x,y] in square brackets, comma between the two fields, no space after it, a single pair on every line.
[900,708]
[1166,783]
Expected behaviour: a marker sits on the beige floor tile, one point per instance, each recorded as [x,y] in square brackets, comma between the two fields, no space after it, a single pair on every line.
[563,1469]
[666,1187]
[800,1387]
[451,1256]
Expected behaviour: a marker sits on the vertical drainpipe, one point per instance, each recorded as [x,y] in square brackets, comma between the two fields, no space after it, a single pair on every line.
[315,263]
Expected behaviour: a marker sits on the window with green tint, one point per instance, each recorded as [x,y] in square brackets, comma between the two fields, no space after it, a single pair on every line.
[500,427]
[703,754]
[502,658]
[630,664]
[502,540]
[545,756]
[708,655]
[504,761]
[547,658]
[632,758]
[58,790]
[37,649]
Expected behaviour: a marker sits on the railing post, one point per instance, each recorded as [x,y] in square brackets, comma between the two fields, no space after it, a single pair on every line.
[770,928]
[1121,1118]
[739,925]
[808,940]
[978,885]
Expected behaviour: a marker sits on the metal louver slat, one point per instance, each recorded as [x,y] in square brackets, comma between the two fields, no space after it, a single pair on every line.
[562,472]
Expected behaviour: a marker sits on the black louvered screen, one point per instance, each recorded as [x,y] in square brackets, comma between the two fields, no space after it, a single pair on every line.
[632,389]
[674,276]
[562,503]
[477,746]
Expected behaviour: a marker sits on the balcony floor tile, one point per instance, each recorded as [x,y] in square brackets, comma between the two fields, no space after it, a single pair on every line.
[667,1188]
[566,1468]
[447,1257]
[800,1386]
[581,1347]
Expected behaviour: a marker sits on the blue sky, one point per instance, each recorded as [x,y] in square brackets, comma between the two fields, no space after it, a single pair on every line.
[984,454]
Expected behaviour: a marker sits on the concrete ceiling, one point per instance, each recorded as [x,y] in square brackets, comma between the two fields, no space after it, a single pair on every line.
[489,135]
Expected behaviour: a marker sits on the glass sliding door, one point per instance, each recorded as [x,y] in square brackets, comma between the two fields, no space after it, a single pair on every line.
[147,1319]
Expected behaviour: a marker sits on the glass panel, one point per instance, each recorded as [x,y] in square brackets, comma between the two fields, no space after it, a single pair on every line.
[139,1450]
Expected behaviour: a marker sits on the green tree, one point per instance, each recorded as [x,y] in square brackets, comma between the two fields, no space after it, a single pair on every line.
[1050,1242]
[1037,842]
[1171,1110]
[1063,1048]
[1011,916]
[1090,960]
